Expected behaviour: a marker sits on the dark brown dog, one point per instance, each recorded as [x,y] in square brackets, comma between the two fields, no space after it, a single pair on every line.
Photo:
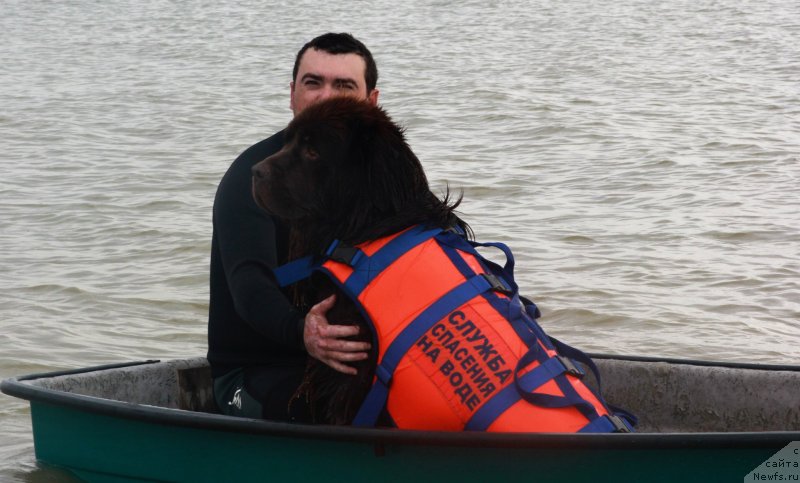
[345,172]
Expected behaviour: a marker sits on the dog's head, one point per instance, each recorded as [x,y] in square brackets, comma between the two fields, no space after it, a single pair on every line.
[344,164]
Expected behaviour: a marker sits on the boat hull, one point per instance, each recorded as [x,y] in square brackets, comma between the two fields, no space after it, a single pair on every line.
[114,440]
[111,448]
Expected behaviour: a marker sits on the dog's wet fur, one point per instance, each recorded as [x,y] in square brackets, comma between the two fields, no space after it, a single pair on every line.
[345,172]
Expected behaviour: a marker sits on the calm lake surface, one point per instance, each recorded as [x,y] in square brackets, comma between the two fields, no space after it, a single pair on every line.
[641,158]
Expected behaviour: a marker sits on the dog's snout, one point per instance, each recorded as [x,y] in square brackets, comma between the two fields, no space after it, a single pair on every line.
[259,170]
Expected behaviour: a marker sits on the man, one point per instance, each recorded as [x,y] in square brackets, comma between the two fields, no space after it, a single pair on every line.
[257,341]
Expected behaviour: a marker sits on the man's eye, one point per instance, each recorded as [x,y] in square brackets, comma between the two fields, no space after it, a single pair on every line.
[348,86]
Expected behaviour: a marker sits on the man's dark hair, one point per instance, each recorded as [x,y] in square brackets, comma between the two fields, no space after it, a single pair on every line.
[341,44]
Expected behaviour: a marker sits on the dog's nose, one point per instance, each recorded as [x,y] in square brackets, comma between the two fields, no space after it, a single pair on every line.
[258,171]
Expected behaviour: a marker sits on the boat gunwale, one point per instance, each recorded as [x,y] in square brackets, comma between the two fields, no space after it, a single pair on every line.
[21,387]
[700,363]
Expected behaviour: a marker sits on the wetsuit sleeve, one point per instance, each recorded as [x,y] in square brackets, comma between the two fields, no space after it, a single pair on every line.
[248,247]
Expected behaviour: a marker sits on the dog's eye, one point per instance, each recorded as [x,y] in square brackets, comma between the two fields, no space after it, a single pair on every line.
[310,153]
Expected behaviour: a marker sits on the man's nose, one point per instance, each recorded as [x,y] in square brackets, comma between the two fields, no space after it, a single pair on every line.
[326,92]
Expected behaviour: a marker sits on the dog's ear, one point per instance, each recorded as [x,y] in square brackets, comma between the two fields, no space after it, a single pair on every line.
[395,179]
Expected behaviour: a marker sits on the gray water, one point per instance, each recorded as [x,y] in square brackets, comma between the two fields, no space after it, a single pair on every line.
[641,158]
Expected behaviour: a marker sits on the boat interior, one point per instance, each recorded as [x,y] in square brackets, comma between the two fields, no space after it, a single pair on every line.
[667,396]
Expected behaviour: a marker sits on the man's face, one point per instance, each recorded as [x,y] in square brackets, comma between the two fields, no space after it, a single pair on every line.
[321,75]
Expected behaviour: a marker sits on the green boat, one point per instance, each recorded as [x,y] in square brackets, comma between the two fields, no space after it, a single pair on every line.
[156,421]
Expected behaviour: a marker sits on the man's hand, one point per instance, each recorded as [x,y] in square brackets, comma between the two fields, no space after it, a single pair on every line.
[325,342]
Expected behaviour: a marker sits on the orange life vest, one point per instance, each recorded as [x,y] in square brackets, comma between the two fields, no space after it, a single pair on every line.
[457,347]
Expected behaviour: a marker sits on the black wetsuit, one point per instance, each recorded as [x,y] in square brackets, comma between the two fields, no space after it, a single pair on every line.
[255,335]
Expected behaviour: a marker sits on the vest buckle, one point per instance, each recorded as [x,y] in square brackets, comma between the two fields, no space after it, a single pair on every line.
[339,252]
[497,284]
[619,425]
[570,367]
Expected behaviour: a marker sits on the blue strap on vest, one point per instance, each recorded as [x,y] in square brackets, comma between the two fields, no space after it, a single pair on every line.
[294,271]
[607,424]
[522,317]
[376,398]
[627,417]
[339,252]
[549,369]
[510,309]
[368,268]
[500,402]
[507,269]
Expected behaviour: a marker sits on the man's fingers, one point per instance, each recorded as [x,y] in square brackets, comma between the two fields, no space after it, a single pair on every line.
[341,367]
[339,331]
[324,305]
[333,347]
[347,356]
[339,345]
[328,343]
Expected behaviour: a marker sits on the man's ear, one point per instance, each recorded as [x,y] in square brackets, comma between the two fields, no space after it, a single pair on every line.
[291,96]
[372,97]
